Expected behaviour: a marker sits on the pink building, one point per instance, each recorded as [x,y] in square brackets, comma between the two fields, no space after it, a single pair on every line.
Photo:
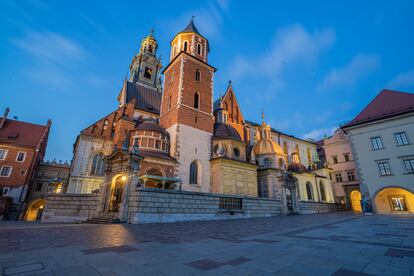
[338,154]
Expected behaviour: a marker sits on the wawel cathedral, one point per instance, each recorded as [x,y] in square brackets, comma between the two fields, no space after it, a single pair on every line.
[175,136]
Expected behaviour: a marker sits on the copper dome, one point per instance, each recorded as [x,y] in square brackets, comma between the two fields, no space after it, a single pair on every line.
[151,125]
[225,131]
[297,168]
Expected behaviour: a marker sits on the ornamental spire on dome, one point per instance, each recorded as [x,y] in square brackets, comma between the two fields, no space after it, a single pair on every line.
[191,28]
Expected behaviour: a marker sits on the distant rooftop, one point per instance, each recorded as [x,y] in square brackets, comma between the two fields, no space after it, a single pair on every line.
[387,103]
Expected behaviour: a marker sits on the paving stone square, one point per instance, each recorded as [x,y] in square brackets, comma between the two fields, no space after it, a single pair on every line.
[324,244]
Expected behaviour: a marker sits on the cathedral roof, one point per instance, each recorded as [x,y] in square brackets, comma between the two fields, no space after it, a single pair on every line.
[225,131]
[147,99]
[152,125]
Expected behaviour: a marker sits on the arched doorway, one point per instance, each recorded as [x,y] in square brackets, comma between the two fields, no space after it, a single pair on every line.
[35,210]
[394,200]
[356,197]
[117,189]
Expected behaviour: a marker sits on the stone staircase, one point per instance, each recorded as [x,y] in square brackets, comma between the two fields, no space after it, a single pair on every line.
[104,218]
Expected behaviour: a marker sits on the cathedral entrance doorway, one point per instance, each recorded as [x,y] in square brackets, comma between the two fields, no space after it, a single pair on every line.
[289,202]
[356,201]
[117,189]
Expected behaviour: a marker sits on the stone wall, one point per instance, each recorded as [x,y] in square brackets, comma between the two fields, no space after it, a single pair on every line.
[70,207]
[153,205]
[311,207]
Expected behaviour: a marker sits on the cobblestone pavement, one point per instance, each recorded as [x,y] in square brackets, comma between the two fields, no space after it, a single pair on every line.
[325,244]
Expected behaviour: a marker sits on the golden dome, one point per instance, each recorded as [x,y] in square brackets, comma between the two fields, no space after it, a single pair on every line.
[264,143]
[267,146]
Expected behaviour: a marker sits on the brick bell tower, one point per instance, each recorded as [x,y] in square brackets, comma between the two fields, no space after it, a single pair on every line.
[187,107]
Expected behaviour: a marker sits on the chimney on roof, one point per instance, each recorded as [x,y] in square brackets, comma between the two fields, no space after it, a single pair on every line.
[3,120]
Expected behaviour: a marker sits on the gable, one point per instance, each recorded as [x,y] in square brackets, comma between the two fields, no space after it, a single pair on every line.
[105,127]
[231,105]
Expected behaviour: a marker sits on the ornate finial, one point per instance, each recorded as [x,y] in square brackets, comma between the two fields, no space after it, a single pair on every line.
[229,82]
[151,31]
[262,116]
[192,17]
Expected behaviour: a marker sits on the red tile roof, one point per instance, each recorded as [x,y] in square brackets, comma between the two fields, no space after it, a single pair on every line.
[386,104]
[21,133]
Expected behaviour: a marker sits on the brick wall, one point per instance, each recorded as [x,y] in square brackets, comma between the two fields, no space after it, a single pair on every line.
[153,206]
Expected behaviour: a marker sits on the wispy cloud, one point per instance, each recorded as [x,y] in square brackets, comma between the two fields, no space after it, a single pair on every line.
[319,133]
[50,47]
[359,67]
[291,45]
[402,80]
[52,56]
[208,19]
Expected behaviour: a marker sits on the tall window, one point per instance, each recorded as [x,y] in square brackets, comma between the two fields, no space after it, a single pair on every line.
[308,153]
[3,154]
[193,172]
[335,159]
[376,143]
[197,75]
[351,176]
[346,157]
[297,152]
[185,46]
[309,192]
[323,191]
[169,102]
[199,49]
[409,165]
[148,73]
[281,163]
[21,156]
[196,100]
[338,177]
[384,168]
[401,138]
[267,163]
[97,165]
[5,171]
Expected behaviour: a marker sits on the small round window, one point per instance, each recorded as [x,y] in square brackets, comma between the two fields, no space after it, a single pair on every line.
[236,152]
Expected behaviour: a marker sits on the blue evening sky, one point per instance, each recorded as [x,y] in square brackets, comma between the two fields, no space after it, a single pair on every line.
[311,65]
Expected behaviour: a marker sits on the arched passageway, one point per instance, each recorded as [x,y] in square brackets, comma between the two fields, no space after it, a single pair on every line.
[394,200]
[356,197]
[35,210]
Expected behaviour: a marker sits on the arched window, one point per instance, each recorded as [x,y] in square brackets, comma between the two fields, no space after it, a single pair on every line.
[196,100]
[150,48]
[199,49]
[193,172]
[297,152]
[97,165]
[197,75]
[323,191]
[281,163]
[185,46]
[309,192]
[267,163]
[169,101]
[308,152]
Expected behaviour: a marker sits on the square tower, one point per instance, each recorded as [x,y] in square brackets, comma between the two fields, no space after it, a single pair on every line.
[187,108]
